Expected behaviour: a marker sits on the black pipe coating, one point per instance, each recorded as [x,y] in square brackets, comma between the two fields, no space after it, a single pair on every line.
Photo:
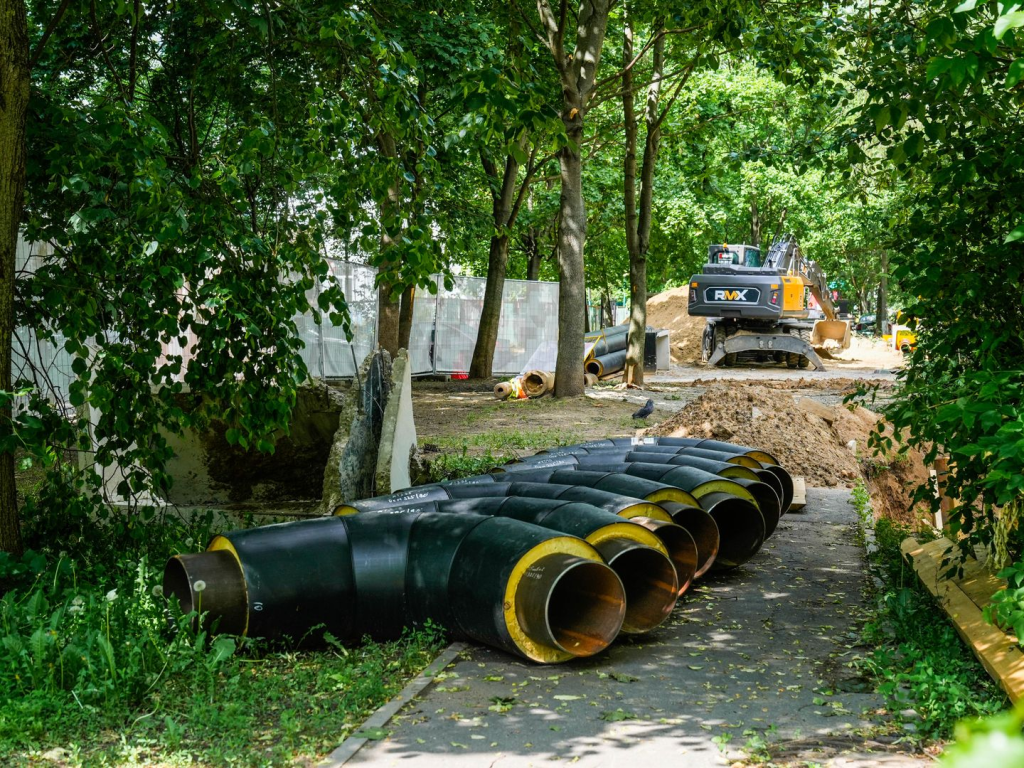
[741,524]
[373,574]
[647,567]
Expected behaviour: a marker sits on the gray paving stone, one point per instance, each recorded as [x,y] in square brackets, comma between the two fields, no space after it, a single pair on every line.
[762,652]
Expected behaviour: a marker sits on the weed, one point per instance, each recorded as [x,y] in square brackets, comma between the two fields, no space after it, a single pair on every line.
[919,661]
[95,662]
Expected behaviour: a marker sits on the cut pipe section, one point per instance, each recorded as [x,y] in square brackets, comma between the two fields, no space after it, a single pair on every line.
[702,528]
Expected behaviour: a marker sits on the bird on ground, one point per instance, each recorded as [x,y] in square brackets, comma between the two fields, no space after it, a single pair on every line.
[646,411]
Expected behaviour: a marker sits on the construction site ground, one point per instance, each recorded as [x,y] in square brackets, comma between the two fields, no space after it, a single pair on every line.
[754,665]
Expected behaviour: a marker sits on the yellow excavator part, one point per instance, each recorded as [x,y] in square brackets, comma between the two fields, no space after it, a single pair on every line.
[836,330]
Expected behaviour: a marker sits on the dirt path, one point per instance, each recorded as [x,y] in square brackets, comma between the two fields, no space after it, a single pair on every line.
[759,655]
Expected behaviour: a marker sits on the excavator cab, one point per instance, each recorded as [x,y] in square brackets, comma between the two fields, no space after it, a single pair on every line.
[734,255]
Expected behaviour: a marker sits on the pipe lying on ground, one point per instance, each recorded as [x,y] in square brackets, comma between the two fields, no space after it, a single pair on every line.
[502,582]
[538,383]
[606,365]
[682,506]
[618,504]
[650,571]
[722,452]
[680,545]
[741,524]
[480,566]
[607,340]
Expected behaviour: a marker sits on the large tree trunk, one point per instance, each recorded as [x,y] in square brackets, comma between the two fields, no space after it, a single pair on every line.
[14,92]
[578,76]
[490,315]
[505,209]
[572,234]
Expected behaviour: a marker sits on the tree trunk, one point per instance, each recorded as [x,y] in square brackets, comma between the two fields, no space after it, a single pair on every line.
[577,76]
[532,248]
[388,306]
[882,305]
[504,210]
[755,222]
[572,234]
[14,92]
[490,315]
[639,216]
[405,316]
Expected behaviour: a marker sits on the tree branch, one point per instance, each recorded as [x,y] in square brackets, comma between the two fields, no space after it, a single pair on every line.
[50,28]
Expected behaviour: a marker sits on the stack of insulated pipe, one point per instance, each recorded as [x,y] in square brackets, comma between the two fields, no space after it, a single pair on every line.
[764,464]
[650,560]
[548,558]
[506,583]
[609,353]
[674,504]
[740,522]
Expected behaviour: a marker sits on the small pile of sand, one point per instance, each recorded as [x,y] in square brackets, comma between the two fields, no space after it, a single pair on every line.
[772,421]
[667,310]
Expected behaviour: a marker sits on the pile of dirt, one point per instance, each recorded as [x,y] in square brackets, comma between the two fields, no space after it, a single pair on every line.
[891,478]
[667,310]
[826,445]
[771,420]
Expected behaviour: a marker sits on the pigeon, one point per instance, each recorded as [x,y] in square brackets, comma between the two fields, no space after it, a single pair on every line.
[646,411]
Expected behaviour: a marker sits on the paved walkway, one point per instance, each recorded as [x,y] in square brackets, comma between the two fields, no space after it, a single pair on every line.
[758,655]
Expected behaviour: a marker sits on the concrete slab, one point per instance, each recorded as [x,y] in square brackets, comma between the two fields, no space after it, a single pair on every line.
[398,430]
[760,653]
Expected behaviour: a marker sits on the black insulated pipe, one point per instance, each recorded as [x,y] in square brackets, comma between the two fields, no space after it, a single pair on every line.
[680,446]
[741,525]
[643,563]
[375,573]
[613,482]
[623,506]
[768,503]
[702,528]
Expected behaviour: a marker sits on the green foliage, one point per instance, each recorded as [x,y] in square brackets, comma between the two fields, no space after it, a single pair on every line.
[188,169]
[992,741]
[918,659]
[89,650]
[942,105]
[1007,606]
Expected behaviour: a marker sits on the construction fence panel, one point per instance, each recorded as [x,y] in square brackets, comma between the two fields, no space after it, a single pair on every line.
[338,357]
[528,325]
[421,336]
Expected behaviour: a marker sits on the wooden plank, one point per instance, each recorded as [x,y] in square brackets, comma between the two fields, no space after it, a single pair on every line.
[799,494]
[996,650]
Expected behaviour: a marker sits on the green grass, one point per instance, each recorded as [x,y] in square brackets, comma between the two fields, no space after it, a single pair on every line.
[918,660]
[477,454]
[95,666]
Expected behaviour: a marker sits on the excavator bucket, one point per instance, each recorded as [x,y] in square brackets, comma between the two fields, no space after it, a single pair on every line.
[836,330]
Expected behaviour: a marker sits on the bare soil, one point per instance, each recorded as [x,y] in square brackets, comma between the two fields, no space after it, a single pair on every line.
[770,415]
[768,419]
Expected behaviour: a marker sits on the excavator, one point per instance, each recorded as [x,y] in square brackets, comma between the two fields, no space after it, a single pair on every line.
[757,309]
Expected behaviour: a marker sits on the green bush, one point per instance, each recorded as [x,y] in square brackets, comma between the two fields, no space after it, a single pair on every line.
[918,659]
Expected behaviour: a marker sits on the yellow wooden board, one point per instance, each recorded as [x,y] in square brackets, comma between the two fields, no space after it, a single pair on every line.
[996,650]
